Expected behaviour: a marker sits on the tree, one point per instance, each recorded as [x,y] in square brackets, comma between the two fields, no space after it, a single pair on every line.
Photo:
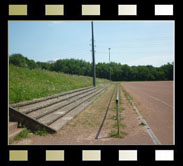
[119,72]
[18,60]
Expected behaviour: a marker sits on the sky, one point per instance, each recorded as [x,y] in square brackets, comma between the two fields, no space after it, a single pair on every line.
[131,42]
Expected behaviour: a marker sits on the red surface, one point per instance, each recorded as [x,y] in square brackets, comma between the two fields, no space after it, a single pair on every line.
[154,99]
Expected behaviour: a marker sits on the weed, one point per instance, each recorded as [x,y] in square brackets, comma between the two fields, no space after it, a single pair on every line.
[121,108]
[114,108]
[114,134]
[21,125]
[41,132]
[25,134]
[128,97]
[115,125]
[142,124]
[114,117]
[22,134]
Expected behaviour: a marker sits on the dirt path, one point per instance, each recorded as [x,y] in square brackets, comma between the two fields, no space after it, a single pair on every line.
[83,128]
[155,102]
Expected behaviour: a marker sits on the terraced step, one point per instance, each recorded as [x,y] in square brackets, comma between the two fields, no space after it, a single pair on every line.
[43,104]
[42,112]
[25,103]
[58,124]
[49,119]
[51,113]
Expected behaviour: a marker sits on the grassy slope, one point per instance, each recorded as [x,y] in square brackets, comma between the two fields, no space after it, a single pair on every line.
[26,84]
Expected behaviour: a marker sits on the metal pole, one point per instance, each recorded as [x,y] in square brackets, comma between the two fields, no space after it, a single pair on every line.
[117,108]
[109,66]
[93,56]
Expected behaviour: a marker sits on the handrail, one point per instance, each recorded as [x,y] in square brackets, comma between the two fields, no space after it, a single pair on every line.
[117,107]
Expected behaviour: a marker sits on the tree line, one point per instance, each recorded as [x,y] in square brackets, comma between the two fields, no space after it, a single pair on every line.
[119,72]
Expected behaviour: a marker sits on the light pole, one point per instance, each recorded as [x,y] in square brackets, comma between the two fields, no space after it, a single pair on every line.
[93,56]
[109,66]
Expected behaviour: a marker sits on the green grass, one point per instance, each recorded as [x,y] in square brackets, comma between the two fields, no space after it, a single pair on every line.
[26,84]
[114,117]
[26,134]
[128,97]
[115,125]
[22,134]
[41,132]
[114,134]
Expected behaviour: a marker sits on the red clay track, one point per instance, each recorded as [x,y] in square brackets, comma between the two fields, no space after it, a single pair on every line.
[155,102]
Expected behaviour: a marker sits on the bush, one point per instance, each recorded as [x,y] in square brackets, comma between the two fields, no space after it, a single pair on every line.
[18,60]
[21,61]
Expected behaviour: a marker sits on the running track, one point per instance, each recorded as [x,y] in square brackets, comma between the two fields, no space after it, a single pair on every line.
[154,99]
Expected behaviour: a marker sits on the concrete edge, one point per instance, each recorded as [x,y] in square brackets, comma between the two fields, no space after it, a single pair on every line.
[29,122]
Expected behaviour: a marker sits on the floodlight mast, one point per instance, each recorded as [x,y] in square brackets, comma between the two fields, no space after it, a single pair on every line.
[93,56]
[109,66]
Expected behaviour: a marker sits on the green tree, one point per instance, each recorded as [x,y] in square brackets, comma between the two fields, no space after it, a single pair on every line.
[18,60]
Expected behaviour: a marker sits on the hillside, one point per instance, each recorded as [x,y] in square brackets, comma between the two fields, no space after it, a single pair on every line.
[26,84]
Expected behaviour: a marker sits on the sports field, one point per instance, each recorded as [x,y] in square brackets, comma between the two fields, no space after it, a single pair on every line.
[154,100]
[97,124]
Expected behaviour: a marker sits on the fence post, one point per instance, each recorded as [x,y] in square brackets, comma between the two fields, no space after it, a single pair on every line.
[117,107]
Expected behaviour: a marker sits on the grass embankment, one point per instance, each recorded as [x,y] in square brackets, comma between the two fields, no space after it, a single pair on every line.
[26,84]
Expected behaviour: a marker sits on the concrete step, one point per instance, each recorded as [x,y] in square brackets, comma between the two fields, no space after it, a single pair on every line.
[61,122]
[47,120]
[52,109]
[21,104]
[43,104]
[45,111]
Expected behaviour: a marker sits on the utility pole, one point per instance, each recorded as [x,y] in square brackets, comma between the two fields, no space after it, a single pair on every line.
[93,56]
[109,66]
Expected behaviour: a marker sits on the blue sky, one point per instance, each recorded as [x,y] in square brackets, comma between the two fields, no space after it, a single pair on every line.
[131,42]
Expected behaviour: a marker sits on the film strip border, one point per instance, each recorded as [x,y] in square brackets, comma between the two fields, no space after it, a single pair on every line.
[62,9]
[90,10]
[90,155]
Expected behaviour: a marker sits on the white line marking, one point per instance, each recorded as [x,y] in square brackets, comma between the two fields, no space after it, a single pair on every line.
[160,101]
[163,102]
[150,132]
